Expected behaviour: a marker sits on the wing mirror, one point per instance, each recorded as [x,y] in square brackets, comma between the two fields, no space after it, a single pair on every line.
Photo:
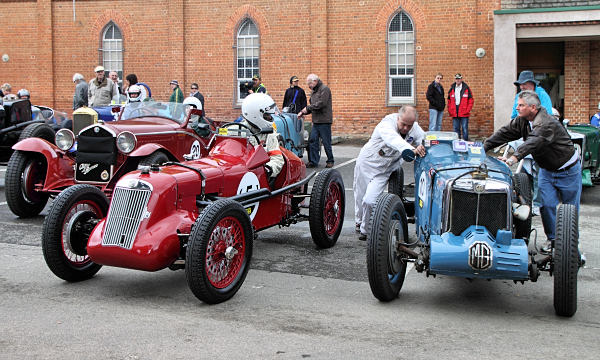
[408,155]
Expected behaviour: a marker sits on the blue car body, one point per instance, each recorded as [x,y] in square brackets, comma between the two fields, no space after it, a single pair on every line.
[291,129]
[463,202]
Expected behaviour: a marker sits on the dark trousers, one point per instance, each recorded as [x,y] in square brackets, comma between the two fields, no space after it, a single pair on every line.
[322,131]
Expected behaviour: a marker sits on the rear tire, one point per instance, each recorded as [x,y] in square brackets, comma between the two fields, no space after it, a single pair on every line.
[39,130]
[327,206]
[219,251]
[566,260]
[157,157]
[23,172]
[66,230]
[386,267]
[396,183]
[522,184]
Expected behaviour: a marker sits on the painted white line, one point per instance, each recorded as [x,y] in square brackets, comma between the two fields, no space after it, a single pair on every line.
[344,163]
[3,203]
[409,267]
[1,170]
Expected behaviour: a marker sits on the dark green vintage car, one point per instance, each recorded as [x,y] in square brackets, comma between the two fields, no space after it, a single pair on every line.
[587,138]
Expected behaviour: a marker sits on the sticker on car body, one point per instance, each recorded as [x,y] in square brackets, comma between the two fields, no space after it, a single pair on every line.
[249,183]
[422,189]
[195,150]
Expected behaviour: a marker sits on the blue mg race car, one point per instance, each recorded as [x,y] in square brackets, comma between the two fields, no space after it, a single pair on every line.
[473,220]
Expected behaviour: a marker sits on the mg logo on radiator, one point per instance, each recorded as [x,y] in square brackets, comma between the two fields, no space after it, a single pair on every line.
[480,256]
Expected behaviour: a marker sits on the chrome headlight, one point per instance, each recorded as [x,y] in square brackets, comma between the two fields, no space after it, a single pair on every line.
[64,139]
[126,142]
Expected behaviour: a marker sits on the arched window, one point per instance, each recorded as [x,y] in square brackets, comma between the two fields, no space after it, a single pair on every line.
[401,60]
[112,49]
[248,50]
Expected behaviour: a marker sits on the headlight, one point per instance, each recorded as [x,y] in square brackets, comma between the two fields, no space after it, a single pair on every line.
[64,139]
[126,142]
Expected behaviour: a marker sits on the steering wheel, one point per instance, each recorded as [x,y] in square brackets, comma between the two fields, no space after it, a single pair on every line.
[252,133]
[141,110]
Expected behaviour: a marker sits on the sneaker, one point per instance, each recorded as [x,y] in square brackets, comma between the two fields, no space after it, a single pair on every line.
[535,211]
[362,237]
[311,165]
[547,248]
[357,228]
[329,165]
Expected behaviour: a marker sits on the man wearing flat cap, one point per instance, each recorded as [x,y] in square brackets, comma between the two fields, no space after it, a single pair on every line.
[177,95]
[460,103]
[526,81]
[101,89]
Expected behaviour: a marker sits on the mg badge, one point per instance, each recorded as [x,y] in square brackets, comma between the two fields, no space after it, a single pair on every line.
[480,256]
[96,129]
[104,175]
[479,188]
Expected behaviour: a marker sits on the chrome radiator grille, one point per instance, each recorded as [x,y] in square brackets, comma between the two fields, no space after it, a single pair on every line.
[127,210]
[486,209]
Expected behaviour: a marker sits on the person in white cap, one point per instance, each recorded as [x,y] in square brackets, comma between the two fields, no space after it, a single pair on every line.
[595,119]
[177,95]
[101,89]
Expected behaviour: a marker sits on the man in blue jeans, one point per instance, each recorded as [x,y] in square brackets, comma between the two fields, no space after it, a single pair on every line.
[550,145]
[322,117]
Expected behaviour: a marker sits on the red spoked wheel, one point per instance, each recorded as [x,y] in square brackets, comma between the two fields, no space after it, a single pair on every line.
[218,252]
[327,206]
[66,230]
[225,252]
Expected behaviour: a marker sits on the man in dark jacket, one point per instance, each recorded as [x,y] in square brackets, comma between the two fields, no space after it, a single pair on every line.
[322,117]
[552,149]
[437,103]
[460,103]
[196,93]
[295,97]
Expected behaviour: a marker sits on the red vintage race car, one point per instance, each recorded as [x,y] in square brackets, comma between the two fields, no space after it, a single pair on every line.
[146,133]
[198,215]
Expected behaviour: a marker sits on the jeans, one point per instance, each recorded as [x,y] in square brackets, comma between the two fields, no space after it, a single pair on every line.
[435,119]
[322,131]
[461,123]
[554,187]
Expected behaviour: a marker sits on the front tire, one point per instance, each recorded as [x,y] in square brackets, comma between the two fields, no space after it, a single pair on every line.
[385,265]
[157,157]
[219,251]
[66,230]
[23,172]
[327,206]
[566,260]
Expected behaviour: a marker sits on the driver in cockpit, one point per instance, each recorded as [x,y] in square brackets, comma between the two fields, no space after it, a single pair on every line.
[257,113]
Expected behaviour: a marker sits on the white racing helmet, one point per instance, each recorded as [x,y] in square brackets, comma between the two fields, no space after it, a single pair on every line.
[258,109]
[134,90]
[23,93]
[192,101]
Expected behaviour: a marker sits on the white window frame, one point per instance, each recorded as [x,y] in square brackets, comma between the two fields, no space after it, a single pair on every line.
[401,58]
[248,46]
[111,51]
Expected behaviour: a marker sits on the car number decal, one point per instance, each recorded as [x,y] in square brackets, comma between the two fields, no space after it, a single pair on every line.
[195,150]
[249,183]
[422,189]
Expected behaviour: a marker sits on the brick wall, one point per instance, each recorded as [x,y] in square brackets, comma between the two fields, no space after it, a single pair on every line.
[343,41]
[527,4]
[594,77]
[577,80]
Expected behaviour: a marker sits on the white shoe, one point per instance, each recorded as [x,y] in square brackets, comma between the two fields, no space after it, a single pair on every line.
[535,211]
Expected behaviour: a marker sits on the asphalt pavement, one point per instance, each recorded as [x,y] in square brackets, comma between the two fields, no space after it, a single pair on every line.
[297,302]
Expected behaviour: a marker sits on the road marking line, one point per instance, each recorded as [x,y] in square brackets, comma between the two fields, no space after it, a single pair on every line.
[344,163]
[3,203]
[409,267]
[1,170]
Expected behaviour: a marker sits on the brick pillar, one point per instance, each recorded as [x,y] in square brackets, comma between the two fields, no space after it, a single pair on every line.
[318,38]
[176,42]
[44,55]
[577,81]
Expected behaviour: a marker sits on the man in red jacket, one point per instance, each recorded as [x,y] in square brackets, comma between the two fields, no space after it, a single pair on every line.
[460,103]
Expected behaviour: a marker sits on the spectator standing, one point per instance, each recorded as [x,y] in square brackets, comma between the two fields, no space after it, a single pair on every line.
[101,89]
[114,76]
[380,157]
[322,116]
[526,81]
[295,97]
[80,98]
[549,143]
[6,89]
[177,95]
[257,86]
[595,119]
[460,103]
[437,103]
[196,93]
